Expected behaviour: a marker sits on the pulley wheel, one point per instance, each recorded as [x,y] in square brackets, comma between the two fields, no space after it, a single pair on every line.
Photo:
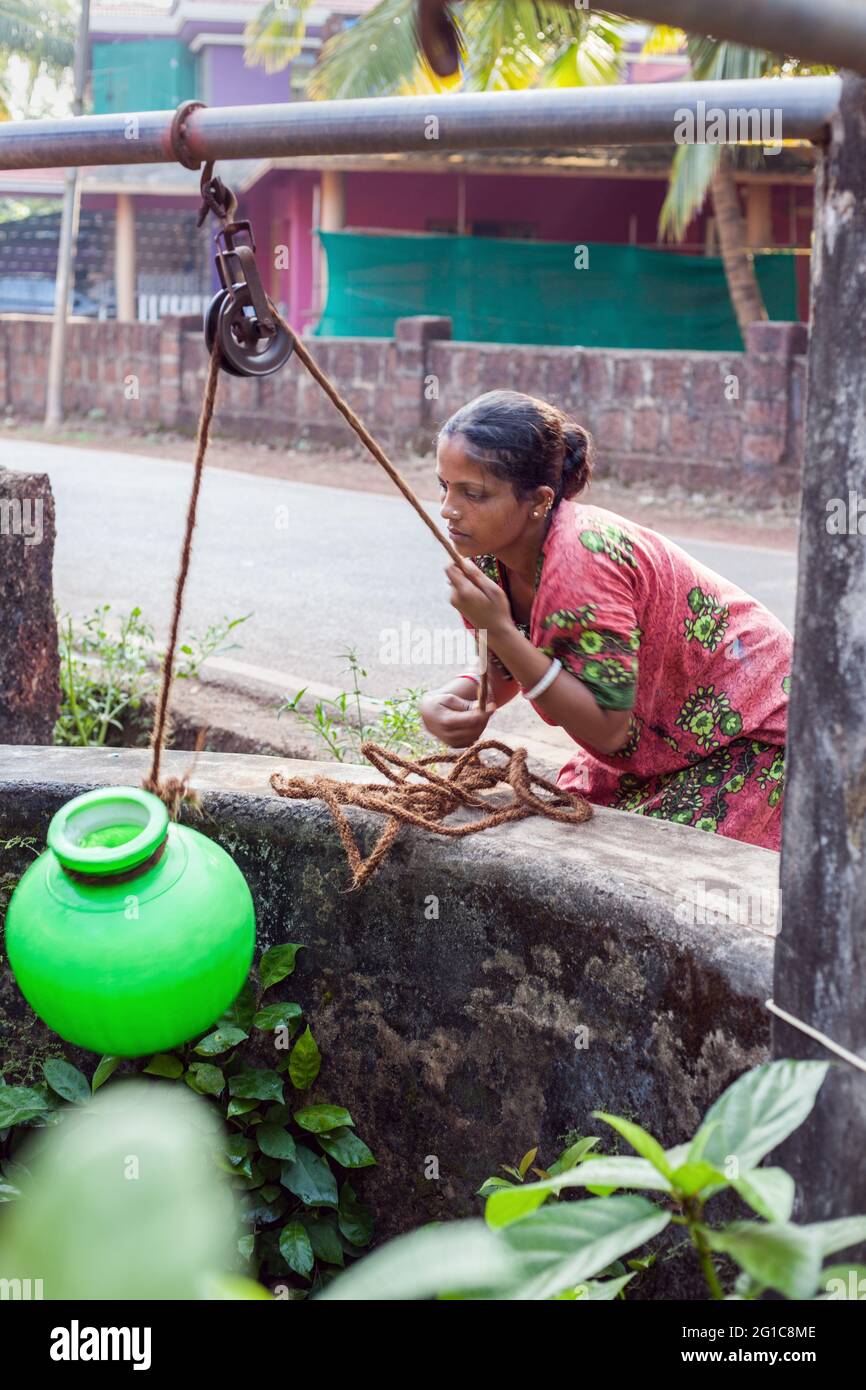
[211,318]
[244,353]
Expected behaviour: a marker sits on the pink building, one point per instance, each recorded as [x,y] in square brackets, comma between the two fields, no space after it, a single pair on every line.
[140,250]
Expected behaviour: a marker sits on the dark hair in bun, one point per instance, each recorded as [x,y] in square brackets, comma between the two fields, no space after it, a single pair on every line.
[526,442]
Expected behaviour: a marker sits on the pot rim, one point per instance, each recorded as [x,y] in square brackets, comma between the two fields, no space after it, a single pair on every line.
[99,810]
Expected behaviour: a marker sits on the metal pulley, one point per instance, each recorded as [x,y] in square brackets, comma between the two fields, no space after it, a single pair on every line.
[253,340]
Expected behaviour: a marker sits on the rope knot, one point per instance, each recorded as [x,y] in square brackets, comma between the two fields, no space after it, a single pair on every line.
[175,792]
[427,803]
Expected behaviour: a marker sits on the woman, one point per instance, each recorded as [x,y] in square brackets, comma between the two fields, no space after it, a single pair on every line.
[672,681]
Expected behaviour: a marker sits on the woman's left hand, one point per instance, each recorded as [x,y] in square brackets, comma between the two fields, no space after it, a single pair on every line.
[481,602]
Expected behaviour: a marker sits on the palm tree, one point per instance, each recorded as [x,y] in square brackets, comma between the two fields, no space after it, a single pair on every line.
[701,170]
[42,36]
[509,44]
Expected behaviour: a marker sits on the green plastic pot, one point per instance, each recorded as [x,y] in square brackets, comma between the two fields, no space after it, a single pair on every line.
[130,934]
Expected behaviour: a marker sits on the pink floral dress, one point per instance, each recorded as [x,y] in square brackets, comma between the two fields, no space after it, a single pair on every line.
[703,667]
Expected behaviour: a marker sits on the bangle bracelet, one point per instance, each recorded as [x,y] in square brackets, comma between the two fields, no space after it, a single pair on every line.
[468,676]
[547,679]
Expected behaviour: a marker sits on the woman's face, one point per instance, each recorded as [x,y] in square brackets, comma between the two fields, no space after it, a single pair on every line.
[481,512]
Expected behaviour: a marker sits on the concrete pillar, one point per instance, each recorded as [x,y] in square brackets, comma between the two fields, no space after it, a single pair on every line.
[415,390]
[820,959]
[124,258]
[29,661]
[332,218]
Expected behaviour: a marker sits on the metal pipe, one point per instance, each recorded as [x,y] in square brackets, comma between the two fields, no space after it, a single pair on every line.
[639,114]
[832,32]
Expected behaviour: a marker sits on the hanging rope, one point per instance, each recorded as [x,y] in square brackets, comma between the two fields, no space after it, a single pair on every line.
[175,790]
[424,804]
[413,803]
[405,802]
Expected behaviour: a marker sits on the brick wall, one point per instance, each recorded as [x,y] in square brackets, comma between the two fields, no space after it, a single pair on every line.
[702,420]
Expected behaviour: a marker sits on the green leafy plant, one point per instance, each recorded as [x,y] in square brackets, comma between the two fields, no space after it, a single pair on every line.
[397,725]
[532,1245]
[289,1154]
[196,650]
[8,879]
[109,671]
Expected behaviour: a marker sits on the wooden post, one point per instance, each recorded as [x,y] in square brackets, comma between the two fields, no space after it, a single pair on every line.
[333,219]
[820,965]
[124,259]
[759,220]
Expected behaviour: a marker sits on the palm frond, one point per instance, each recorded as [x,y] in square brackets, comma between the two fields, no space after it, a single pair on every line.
[591,62]
[505,45]
[377,56]
[713,61]
[274,37]
[45,34]
[692,169]
[509,43]
[693,166]
[664,39]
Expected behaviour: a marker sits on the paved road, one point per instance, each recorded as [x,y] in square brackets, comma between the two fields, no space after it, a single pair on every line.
[320,568]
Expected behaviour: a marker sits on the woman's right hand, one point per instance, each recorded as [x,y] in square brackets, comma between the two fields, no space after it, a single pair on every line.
[454,721]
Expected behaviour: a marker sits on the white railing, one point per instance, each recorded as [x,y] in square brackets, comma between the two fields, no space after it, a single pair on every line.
[153,307]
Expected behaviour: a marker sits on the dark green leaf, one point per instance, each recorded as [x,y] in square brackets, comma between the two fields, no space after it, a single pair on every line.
[271,1167]
[277,1115]
[492,1185]
[21,1103]
[258,1083]
[66,1080]
[277,963]
[221,1040]
[237,1147]
[296,1249]
[254,1209]
[240,1013]
[355,1221]
[205,1078]
[304,1061]
[249,1176]
[275,1141]
[278,1016]
[324,1239]
[240,1107]
[318,1119]
[107,1067]
[572,1155]
[310,1178]
[344,1146]
[164,1064]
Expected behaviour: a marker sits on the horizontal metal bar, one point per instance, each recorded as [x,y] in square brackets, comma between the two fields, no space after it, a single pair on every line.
[641,113]
[831,32]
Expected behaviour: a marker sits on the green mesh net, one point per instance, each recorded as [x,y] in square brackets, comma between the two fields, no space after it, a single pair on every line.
[508,291]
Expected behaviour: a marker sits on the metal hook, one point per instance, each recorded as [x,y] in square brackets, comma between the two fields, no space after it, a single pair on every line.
[253,340]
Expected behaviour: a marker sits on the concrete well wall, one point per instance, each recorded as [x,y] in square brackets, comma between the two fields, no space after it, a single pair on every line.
[458,1036]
